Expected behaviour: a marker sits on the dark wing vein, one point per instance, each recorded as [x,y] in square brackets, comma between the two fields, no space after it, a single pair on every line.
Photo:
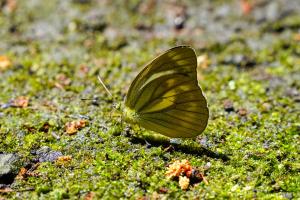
[152,67]
[169,125]
[164,129]
[155,83]
[167,122]
[180,93]
[191,111]
[151,100]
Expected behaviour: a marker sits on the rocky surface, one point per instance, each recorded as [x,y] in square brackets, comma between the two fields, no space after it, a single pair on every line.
[9,167]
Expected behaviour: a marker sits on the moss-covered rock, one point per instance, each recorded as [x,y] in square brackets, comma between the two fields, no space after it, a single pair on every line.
[56,49]
[9,167]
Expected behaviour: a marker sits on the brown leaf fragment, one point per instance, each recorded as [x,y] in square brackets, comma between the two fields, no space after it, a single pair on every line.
[185,174]
[89,196]
[297,37]
[64,158]
[242,112]
[203,62]
[178,168]
[5,63]
[20,102]
[22,173]
[62,81]
[6,190]
[73,126]
[246,6]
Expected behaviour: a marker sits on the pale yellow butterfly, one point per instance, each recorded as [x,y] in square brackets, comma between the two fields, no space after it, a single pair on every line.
[165,96]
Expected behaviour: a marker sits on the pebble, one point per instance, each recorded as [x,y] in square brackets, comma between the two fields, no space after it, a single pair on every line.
[8,168]
[46,154]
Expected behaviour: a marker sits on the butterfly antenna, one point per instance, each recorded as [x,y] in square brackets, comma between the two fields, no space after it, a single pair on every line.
[110,94]
[102,83]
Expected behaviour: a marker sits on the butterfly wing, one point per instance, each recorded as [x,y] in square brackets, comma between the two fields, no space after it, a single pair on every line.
[165,96]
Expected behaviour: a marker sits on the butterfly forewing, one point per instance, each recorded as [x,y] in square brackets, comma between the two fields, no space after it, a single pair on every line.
[166,97]
[177,59]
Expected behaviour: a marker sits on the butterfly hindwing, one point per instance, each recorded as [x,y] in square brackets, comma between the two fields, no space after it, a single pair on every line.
[166,97]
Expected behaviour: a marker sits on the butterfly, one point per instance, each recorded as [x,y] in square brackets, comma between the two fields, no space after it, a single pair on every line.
[165,96]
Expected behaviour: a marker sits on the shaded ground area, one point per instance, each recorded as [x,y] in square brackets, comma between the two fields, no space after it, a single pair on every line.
[51,53]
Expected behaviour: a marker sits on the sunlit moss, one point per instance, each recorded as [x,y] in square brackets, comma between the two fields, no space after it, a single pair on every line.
[242,157]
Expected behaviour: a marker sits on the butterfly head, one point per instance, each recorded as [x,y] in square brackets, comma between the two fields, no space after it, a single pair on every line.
[130,115]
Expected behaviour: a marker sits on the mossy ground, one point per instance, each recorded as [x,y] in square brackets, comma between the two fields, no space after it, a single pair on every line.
[59,47]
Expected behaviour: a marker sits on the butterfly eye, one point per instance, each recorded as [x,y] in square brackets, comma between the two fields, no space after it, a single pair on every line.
[117,106]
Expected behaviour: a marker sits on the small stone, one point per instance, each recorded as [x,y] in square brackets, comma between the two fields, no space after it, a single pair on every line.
[179,22]
[242,112]
[239,60]
[266,107]
[228,105]
[8,168]
[46,154]
[82,1]
[197,176]
[288,195]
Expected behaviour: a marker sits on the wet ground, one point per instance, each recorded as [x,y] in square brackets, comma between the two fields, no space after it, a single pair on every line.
[63,147]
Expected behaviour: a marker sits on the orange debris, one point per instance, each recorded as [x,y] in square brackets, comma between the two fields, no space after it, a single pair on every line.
[184,182]
[185,173]
[5,63]
[178,168]
[74,126]
[20,102]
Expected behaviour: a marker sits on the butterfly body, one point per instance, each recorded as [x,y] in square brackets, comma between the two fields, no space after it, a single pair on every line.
[165,96]
[130,115]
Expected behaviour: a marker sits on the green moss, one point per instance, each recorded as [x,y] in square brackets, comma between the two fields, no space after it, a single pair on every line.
[249,156]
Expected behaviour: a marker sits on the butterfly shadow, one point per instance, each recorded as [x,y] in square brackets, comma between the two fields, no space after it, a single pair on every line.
[194,149]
